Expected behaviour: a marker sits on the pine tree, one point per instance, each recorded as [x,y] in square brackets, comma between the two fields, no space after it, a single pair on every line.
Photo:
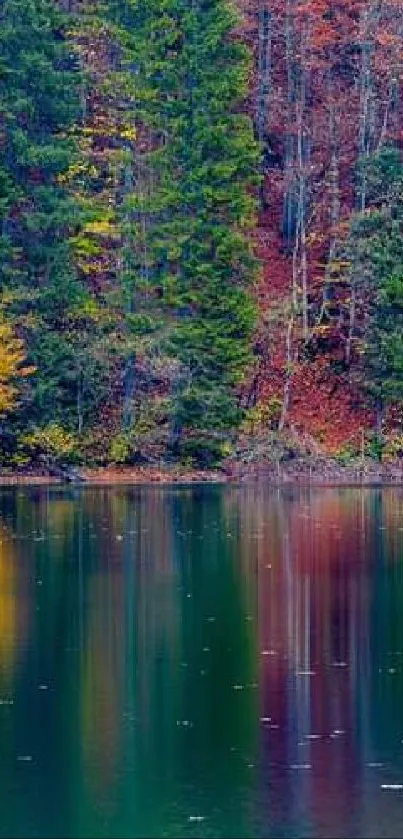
[385,342]
[39,106]
[192,207]
[376,252]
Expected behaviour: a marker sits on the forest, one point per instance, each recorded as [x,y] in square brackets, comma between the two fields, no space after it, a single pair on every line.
[201,242]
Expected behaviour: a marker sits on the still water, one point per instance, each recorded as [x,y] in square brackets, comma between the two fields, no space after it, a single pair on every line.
[201,662]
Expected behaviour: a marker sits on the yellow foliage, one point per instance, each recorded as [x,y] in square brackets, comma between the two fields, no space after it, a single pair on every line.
[9,617]
[393,448]
[52,440]
[88,269]
[73,170]
[102,227]
[76,169]
[12,357]
[263,415]
[128,133]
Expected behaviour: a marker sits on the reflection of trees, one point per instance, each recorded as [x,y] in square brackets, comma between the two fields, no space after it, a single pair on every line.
[387,621]
[14,610]
[130,629]
[153,605]
[330,594]
[129,644]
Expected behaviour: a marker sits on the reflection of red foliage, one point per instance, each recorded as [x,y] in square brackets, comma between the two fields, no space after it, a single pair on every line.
[314,601]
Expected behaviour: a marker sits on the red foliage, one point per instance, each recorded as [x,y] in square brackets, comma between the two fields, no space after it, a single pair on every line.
[344,106]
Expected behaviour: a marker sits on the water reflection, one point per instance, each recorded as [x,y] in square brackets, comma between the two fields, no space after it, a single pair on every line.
[201,662]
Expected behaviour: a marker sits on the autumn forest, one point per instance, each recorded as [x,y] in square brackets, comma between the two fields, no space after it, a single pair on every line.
[201,252]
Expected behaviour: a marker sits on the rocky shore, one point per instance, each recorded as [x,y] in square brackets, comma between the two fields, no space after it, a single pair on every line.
[319,472]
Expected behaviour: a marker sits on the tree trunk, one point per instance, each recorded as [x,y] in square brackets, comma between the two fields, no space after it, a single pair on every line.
[351,323]
[302,198]
[264,74]
[80,412]
[379,407]
[289,185]
[335,203]
[289,374]
[369,20]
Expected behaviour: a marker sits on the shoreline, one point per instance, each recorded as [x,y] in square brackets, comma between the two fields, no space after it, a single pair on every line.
[299,474]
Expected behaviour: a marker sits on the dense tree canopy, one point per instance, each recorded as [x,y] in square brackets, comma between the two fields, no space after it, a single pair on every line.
[137,141]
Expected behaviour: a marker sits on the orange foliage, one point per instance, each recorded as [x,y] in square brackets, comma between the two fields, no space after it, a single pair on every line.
[327,42]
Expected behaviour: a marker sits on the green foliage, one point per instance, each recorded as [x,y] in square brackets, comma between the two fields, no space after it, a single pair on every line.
[348,455]
[188,261]
[376,246]
[52,443]
[129,280]
[383,175]
[263,416]
[121,448]
[384,352]
[147,437]
[39,105]
[393,447]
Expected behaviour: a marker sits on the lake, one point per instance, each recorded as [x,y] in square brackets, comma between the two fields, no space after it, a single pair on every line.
[201,661]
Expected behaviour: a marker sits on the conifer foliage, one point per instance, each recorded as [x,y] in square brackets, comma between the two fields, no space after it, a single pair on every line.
[179,296]
[375,251]
[193,206]
[39,105]
[130,178]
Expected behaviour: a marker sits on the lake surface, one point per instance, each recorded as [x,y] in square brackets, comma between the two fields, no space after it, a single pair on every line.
[201,662]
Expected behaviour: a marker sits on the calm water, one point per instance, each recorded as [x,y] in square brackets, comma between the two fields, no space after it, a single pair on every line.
[204,662]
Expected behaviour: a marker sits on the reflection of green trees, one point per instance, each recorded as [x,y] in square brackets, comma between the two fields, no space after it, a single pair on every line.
[141,617]
[35,796]
[387,623]
[119,645]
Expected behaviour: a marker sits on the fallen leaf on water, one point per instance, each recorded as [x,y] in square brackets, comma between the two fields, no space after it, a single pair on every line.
[301,766]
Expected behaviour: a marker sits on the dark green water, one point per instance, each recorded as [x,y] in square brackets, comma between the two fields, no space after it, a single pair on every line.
[203,662]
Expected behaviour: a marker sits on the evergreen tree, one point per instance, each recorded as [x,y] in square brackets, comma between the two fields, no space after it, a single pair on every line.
[39,104]
[376,252]
[384,354]
[191,207]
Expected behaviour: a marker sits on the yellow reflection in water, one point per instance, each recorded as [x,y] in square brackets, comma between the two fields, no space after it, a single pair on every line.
[13,609]
[102,680]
